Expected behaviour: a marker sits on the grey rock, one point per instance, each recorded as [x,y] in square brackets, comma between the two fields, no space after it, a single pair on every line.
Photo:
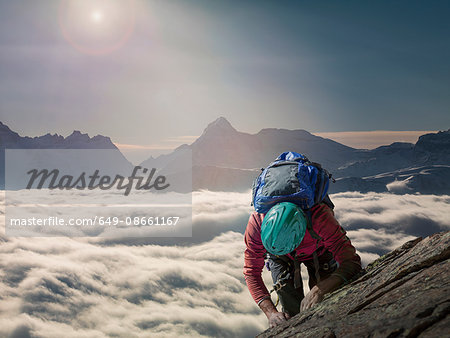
[405,293]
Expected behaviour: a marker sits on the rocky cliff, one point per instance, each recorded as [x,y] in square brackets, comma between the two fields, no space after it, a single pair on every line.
[405,293]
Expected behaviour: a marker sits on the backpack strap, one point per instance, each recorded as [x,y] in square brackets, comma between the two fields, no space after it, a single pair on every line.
[297,274]
[310,229]
[328,202]
[314,235]
[316,266]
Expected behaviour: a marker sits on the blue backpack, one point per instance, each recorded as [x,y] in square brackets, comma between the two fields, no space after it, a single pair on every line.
[291,178]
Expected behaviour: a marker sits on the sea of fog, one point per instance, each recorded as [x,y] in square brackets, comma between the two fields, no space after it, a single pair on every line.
[166,287]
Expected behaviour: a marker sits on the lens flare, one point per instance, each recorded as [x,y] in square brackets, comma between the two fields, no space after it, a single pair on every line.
[97,16]
[97,27]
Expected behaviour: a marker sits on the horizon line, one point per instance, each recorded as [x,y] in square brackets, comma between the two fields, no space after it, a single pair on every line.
[358,139]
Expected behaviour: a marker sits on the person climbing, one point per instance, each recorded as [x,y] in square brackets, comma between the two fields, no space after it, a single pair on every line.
[289,234]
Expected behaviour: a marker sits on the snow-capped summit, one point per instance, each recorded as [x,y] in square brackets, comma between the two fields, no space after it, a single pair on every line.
[433,148]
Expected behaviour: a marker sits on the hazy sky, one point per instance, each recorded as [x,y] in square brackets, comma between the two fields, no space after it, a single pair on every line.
[144,72]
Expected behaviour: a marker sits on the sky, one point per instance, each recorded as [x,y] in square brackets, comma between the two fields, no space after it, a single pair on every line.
[155,73]
[151,75]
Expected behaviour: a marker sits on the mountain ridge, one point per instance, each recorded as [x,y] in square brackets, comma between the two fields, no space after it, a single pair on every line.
[226,159]
[223,156]
[76,140]
[222,145]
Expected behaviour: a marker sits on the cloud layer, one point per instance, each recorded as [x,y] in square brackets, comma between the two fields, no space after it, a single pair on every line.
[67,287]
[70,288]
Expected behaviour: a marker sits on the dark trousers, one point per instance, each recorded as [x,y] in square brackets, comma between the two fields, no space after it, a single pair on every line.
[282,270]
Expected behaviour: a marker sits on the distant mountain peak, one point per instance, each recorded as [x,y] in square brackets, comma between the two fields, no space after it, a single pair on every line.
[77,133]
[4,127]
[220,124]
[76,140]
[285,131]
[77,136]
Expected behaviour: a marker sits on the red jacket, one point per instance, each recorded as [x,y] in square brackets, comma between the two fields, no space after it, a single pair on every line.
[324,224]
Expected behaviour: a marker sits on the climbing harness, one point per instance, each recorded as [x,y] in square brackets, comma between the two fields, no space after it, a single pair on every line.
[281,282]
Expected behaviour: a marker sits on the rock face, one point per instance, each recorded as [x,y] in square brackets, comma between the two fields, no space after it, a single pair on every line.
[433,148]
[405,293]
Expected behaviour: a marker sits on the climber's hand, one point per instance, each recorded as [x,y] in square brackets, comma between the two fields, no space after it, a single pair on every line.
[277,318]
[312,297]
[319,291]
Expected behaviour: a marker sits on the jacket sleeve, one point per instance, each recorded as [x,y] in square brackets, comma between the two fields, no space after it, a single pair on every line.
[336,241]
[254,259]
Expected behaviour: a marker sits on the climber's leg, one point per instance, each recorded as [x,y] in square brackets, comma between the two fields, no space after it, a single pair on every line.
[282,270]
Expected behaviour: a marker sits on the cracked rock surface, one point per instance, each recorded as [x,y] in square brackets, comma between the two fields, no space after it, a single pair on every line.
[405,293]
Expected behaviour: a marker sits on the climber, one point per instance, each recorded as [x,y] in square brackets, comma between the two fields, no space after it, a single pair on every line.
[286,235]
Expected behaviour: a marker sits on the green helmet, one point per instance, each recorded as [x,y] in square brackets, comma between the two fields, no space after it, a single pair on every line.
[283,228]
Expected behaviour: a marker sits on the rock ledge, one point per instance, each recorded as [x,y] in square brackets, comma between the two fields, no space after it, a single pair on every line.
[405,293]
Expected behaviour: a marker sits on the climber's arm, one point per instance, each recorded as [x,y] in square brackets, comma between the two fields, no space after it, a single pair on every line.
[273,316]
[335,240]
[254,263]
[254,259]
[319,291]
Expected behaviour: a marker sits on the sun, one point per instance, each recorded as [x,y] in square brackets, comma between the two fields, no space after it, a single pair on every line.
[97,16]
[97,27]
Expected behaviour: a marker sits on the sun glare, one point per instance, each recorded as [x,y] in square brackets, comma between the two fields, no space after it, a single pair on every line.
[97,16]
[97,27]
